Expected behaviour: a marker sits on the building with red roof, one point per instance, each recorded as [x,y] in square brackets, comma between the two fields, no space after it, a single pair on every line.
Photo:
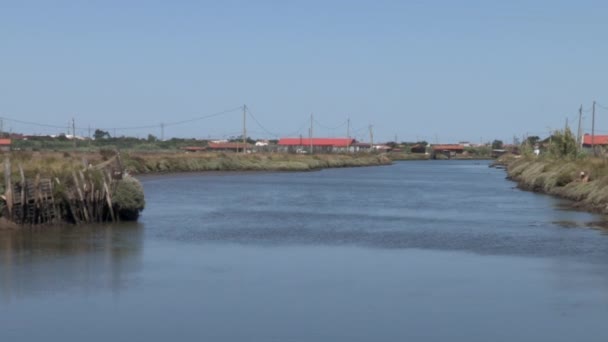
[448,150]
[597,140]
[5,145]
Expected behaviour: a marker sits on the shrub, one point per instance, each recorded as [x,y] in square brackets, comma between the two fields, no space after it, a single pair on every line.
[564,178]
[128,199]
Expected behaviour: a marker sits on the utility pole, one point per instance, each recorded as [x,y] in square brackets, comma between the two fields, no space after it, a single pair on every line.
[593,130]
[348,134]
[244,128]
[1,127]
[162,132]
[74,133]
[348,128]
[579,136]
[311,132]
[371,138]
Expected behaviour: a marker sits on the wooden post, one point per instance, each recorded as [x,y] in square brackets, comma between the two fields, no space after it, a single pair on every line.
[23,186]
[39,207]
[109,200]
[8,184]
[81,196]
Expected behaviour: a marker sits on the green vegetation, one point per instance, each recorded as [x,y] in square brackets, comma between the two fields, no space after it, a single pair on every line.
[103,141]
[562,177]
[128,199]
[497,144]
[74,179]
[562,169]
[142,163]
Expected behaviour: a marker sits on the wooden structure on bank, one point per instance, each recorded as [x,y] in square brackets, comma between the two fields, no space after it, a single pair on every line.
[86,198]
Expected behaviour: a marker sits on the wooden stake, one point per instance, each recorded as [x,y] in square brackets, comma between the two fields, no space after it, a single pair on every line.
[8,184]
[109,200]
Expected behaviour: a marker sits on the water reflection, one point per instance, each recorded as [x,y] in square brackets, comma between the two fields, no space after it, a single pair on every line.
[68,258]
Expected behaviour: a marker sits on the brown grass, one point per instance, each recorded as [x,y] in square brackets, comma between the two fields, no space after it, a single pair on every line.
[561,177]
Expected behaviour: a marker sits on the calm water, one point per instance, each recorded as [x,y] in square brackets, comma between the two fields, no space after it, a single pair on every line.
[419,251]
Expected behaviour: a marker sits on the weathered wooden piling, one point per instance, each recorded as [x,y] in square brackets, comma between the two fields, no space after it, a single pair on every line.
[85,197]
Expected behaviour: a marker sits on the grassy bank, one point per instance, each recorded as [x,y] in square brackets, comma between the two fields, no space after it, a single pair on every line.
[562,177]
[141,163]
[80,179]
[53,188]
[59,163]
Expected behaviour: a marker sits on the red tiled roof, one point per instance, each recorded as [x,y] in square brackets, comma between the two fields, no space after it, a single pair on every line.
[5,142]
[448,147]
[336,142]
[597,140]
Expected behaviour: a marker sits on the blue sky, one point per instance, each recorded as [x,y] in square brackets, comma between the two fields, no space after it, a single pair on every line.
[445,70]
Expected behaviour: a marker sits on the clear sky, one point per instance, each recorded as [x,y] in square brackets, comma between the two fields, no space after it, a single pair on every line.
[445,70]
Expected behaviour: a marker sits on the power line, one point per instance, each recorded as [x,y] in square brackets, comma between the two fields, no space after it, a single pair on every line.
[259,124]
[599,105]
[31,123]
[173,123]
[299,130]
[204,117]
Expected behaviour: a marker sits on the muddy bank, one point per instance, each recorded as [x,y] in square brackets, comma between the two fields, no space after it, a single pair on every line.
[583,181]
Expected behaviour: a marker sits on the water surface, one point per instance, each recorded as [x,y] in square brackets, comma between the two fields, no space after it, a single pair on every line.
[427,251]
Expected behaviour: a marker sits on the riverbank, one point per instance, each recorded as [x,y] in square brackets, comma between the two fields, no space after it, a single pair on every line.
[49,189]
[144,163]
[563,178]
[52,188]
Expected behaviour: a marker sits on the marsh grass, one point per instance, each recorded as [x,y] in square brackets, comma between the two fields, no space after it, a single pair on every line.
[193,162]
[561,177]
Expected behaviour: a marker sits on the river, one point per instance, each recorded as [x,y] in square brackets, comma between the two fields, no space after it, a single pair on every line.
[418,251]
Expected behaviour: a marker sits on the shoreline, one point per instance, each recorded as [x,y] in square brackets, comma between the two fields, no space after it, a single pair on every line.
[561,179]
[150,164]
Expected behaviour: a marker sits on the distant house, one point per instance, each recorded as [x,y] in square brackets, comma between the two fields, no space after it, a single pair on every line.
[319,145]
[418,148]
[596,140]
[5,145]
[228,146]
[382,148]
[362,147]
[448,150]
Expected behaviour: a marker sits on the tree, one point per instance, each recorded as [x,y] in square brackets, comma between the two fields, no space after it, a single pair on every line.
[563,144]
[99,134]
[391,144]
[497,144]
[152,138]
[533,140]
